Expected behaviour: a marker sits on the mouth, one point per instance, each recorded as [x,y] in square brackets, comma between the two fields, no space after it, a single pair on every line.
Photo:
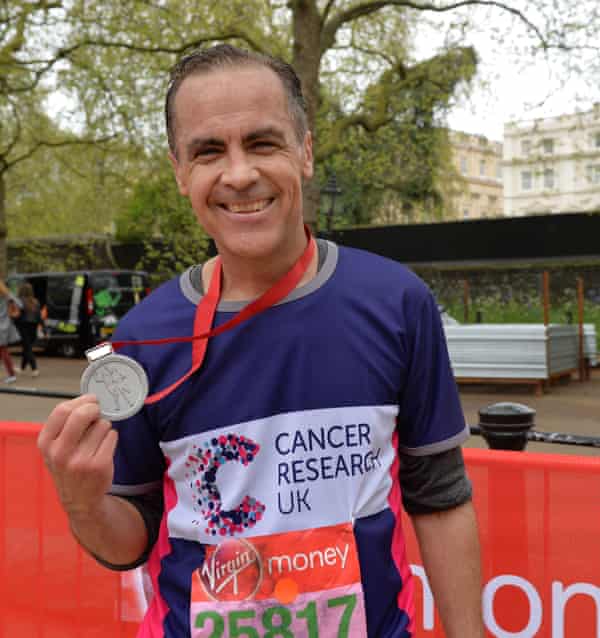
[248,207]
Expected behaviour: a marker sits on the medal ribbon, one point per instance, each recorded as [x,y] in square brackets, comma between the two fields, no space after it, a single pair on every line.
[206,309]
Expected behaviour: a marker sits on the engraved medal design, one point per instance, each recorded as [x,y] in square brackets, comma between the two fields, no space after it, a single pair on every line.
[119,382]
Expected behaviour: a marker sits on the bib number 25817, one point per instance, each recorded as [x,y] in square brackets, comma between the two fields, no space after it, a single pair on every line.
[279,621]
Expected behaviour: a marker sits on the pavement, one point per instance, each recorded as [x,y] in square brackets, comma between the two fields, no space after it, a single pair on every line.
[572,407]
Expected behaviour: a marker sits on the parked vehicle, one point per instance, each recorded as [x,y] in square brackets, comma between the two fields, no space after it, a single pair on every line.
[82,308]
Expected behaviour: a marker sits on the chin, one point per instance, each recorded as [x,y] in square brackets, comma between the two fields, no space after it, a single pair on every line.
[253,244]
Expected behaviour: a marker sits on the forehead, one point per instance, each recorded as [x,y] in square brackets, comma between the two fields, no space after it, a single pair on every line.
[227,100]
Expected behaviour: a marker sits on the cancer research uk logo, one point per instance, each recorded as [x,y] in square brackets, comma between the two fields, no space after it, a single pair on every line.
[203,464]
[232,571]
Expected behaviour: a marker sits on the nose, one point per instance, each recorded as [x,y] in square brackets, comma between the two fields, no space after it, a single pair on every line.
[239,172]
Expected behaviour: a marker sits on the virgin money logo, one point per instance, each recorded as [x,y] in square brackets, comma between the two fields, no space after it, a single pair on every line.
[231,571]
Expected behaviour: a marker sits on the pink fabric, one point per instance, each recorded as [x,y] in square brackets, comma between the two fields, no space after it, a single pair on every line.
[152,626]
[406,597]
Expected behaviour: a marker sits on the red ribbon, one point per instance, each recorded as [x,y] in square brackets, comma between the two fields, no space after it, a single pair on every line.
[206,309]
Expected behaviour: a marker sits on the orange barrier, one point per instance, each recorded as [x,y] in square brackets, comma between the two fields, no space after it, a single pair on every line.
[49,588]
[539,516]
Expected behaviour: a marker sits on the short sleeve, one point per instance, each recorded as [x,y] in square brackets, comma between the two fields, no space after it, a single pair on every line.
[430,417]
[139,461]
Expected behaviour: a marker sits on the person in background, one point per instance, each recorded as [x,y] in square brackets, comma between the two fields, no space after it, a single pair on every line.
[8,332]
[27,325]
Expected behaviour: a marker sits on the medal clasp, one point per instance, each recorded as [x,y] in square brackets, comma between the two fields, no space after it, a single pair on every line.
[99,351]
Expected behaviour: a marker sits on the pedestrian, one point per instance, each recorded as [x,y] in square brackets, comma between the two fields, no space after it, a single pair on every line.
[9,304]
[263,480]
[30,318]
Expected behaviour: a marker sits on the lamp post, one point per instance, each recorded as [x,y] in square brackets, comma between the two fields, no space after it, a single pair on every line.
[332,189]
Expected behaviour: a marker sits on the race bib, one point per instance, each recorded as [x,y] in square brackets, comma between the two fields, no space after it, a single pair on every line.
[291,585]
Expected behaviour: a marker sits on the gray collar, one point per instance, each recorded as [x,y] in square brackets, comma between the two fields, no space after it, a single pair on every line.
[190,280]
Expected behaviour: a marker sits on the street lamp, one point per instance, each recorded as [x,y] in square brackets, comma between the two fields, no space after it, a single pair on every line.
[332,189]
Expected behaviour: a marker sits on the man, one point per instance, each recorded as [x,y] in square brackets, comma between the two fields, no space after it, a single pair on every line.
[279,461]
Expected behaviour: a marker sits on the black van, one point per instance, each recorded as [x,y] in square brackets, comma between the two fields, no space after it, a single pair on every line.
[82,308]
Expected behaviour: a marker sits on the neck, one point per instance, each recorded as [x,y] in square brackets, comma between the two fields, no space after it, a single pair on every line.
[247,279]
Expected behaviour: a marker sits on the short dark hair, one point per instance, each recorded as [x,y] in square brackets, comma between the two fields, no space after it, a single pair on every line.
[223,56]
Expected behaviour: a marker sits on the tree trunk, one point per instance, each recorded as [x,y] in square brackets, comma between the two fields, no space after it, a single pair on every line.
[306,60]
[3,227]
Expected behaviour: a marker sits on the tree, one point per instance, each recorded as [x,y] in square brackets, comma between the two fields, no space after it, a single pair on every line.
[396,154]
[69,190]
[158,215]
[110,58]
[28,52]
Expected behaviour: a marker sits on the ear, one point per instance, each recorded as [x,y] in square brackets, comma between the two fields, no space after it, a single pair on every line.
[307,156]
[180,175]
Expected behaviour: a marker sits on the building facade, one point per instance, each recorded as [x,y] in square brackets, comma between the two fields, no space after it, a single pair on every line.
[552,165]
[478,192]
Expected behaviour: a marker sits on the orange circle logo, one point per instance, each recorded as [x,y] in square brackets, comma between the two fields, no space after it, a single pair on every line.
[286,591]
[232,570]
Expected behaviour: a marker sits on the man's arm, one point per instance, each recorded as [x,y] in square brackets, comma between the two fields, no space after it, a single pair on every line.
[78,447]
[449,545]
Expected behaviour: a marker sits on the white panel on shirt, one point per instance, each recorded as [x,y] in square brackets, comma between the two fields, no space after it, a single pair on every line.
[313,468]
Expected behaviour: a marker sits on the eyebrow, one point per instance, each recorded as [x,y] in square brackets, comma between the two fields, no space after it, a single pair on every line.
[267,131]
[261,133]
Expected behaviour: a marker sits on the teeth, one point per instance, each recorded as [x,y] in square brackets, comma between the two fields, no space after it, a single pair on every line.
[248,207]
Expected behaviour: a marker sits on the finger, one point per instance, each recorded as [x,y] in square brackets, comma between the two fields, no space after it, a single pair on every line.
[93,437]
[58,417]
[106,450]
[77,424]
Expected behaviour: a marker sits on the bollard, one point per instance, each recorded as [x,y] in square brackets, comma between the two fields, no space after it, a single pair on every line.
[505,426]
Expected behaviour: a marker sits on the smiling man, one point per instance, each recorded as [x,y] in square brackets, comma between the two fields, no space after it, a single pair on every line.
[322,401]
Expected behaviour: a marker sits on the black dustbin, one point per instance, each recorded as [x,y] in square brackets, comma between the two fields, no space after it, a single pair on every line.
[505,425]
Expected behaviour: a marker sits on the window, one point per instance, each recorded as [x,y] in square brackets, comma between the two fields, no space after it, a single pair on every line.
[526,181]
[491,207]
[549,181]
[525,147]
[548,146]
[463,165]
[499,170]
[60,290]
[482,167]
[597,140]
[116,292]
[466,214]
[593,173]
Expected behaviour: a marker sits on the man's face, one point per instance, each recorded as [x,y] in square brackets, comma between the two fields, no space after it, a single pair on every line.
[240,162]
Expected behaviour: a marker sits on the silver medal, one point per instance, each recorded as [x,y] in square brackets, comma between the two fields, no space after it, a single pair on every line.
[119,382]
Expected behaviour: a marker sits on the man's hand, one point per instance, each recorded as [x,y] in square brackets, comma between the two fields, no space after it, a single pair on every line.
[78,447]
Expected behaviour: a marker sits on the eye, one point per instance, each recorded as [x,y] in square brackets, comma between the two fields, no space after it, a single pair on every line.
[263,145]
[208,151]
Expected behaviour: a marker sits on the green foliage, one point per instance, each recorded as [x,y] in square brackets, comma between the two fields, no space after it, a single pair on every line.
[380,107]
[157,214]
[71,190]
[47,255]
[392,156]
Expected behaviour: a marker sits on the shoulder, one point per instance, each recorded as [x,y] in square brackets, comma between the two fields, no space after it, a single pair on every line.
[377,275]
[155,312]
